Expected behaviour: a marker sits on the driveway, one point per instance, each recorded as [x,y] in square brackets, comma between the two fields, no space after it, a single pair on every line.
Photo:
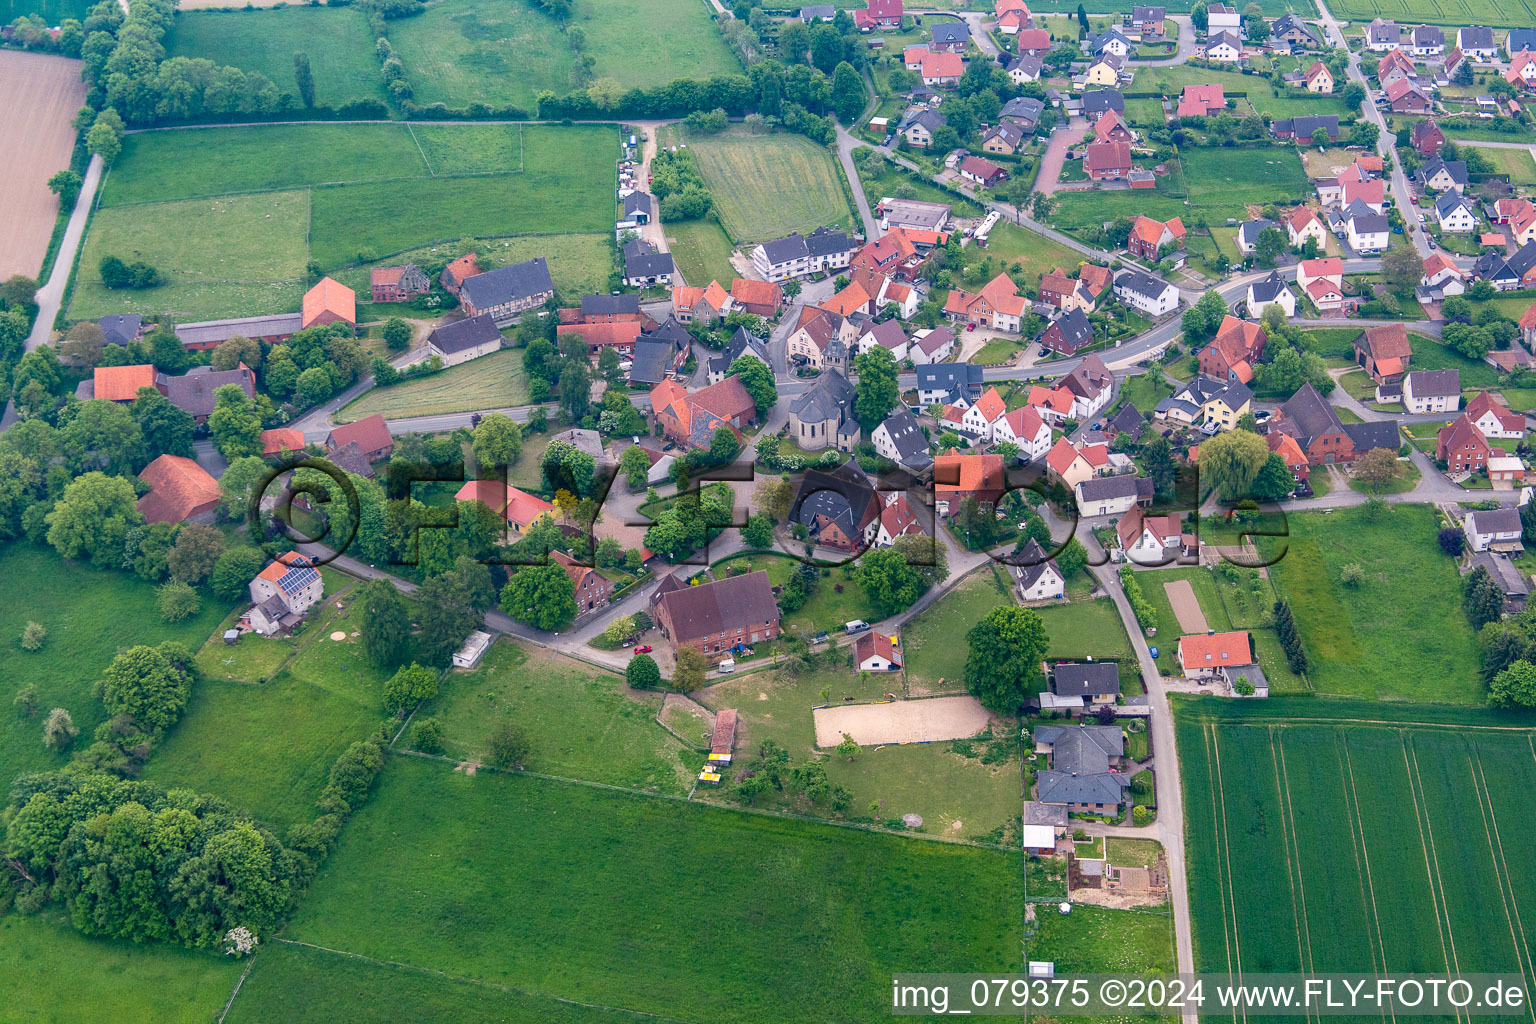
[51,295]
[1062,140]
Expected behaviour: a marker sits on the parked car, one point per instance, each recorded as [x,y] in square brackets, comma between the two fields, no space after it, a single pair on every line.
[856,626]
[644,649]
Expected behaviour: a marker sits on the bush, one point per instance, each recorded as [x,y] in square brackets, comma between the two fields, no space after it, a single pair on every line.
[1141,815]
[177,601]
[32,637]
[429,736]
[59,731]
[642,673]
[509,745]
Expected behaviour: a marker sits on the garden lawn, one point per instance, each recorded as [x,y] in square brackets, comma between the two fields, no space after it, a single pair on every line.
[893,178]
[90,615]
[459,52]
[268,748]
[701,251]
[1144,393]
[1099,940]
[1084,628]
[50,972]
[1401,634]
[1511,305]
[300,985]
[1009,244]
[1170,81]
[800,923]
[1517,163]
[1308,807]
[935,640]
[766,186]
[999,351]
[581,722]
[338,41]
[496,381]
[645,43]
[1331,342]
[1429,354]
[826,609]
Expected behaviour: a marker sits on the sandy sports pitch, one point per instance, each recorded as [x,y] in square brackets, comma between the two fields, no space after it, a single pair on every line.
[1185,606]
[38,97]
[902,721]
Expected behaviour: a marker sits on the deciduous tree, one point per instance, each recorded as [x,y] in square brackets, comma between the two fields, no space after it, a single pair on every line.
[541,595]
[1003,665]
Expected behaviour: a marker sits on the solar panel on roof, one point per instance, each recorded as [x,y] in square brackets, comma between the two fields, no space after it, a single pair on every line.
[296,579]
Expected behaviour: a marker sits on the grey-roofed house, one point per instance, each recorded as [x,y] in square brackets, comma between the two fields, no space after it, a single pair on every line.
[624,305]
[795,255]
[1112,495]
[1026,68]
[1439,174]
[1079,777]
[508,291]
[840,509]
[1100,101]
[122,328]
[1268,289]
[1111,41]
[637,207]
[817,12]
[951,36]
[901,439]
[193,392]
[1499,529]
[1068,333]
[822,417]
[1509,578]
[1144,292]
[1375,434]
[1431,390]
[1023,111]
[652,361]
[645,266]
[948,383]
[459,341]
[1128,420]
[1096,683]
[1520,39]
[741,344]
[919,128]
[1300,129]
[1248,233]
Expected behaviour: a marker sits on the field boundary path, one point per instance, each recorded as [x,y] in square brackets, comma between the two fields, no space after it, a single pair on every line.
[51,295]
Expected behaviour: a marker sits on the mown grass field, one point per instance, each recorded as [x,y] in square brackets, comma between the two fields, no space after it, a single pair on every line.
[619,897]
[766,186]
[90,614]
[50,972]
[581,722]
[1010,244]
[268,747]
[1324,839]
[460,52]
[1170,81]
[233,216]
[1400,635]
[337,40]
[644,43]
[1517,163]
[337,988]
[1439,12]
[491,382]
[700,251]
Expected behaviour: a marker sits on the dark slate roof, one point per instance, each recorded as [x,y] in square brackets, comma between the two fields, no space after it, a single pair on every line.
[1031,66]
[1031,563]
[1311,414]
[1100,100]
[1520,39]
[844,496]
[1493,266]
[610,305]
[1107,488]
[826,242]
[1249,230]
[1430,35]
[1097,42]
[1023,108]
[652,361]
[1523,261]
[726,604]
[1477,37]
[1061,788]
[648,264]
[1079,770]
[671,330]
[511,283]
[955,378]
[827,398]
[1370,223]
[192,392]
[1076,329]
[637,202]
[458,335]
[786,249]
[1128,420]
[1141,283]
[1495,520]
[951,32]
[120,329]
[743,343]
[1269,288]
[1457,169]
[1080,679]
[1303,127]
[908,439]
[1510,579]
[1376,434]
[932,120]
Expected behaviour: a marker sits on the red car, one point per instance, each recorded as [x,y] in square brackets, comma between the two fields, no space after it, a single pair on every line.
[643,649]
[970,327]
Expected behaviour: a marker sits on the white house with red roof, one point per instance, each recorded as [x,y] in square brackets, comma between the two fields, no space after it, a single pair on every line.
[998,305]
[1522,70]
[1024,427]
[881,14]
[1151,540]
[1493,418]
[519,508]
[1054,405]
[1303,223]
[1329,269]
[282,592]
[897,519]
[1204,655]
[984,414]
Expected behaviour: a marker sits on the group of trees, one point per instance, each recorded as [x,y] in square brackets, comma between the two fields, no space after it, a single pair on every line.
[1290,639]
[678,185]
[1288,362]
[1476,331]
[446,607]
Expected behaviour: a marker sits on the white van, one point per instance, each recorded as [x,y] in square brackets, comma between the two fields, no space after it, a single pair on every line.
[856,626]
[728,665]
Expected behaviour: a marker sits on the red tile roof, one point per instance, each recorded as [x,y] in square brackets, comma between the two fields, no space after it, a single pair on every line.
[1107,156]
[371,434]
[758,293]
[943,65]
[122,383]
[178,489]
[329,301]
[515,505]
[991,405]
[1061,456]
[1213,650]
[282,439]
[977,473]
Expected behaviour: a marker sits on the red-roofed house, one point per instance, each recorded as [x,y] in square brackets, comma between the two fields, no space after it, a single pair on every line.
[397,284]
[874,652]
[179,490]
[282,592]
[1201,101]
[1372,193]
[998,305]
[1148,236]
[1152,540]
[519,508]
[1407,98]
[760,298]
[1318,78]
[371,435]
[941,69]
[1285,446]
[1522,70]
[1462,446]
[692,419]
[882,14]
[280,440]
[957,477]
[705,305]
[1034,42]
[1107,161]
[329,302]
[1233,353]
[984,172]
[1303,223]
[1053,404]
[121,383]
[593,589]
[1384,352]
[456,273]
[1069,465]
[621,336]
[1528,327]
[984,413]
[1206,654]
[1493,418]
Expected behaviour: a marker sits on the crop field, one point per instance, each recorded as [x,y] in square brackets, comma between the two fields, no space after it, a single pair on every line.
[1439,12]
[1371,641]
[90,615]
[268,747]
[337,40]
[495,381]
[50,972]
[460,52]
[38,95]
[425,876]
[582,722]
[676,38]
[1329,836]
[766,186]
[265,201]
[701,251]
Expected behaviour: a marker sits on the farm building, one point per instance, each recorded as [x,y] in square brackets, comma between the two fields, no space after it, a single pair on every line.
[179,490]
[716,617]
[397,284]
[508,291]
[329,302]
[459,341]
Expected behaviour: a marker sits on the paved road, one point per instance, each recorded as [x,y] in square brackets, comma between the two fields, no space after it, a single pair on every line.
[51,295]
[846,144]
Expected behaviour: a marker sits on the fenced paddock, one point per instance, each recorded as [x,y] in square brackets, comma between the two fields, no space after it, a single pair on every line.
[902,721]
